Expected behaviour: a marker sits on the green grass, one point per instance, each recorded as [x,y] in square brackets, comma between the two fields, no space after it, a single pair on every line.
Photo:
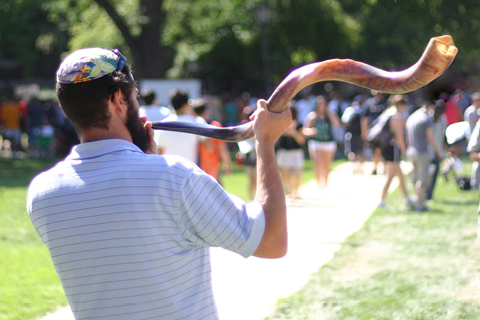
[400,265]
[29,286]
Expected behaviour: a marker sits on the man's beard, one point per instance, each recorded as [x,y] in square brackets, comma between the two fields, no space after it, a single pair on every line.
[136,127]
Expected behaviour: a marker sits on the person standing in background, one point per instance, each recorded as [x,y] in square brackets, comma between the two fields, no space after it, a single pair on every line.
[304,106]
[452,111]
[374,108]
[354,142]
[419,132]
[322,146]
[11,116]
[472,114]
[151,109]
[397,147]
[179,143]
[437,109]
[290,156]
[34,122]
[214,157]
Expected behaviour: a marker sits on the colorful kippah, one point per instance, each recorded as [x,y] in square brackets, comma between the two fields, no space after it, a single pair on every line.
[89,64]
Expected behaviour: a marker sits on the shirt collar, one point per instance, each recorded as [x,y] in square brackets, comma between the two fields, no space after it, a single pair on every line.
[99,148]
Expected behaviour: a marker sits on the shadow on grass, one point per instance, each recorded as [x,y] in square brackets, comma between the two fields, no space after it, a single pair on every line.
[458,202]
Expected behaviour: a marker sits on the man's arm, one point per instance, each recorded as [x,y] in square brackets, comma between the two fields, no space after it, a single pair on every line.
[268,127]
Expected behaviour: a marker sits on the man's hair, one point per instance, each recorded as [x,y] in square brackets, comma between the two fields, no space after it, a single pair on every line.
[178,98]
[148,96]
[199,106]
[86,104]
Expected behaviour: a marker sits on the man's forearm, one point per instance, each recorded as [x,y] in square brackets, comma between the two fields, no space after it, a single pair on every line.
[270,195]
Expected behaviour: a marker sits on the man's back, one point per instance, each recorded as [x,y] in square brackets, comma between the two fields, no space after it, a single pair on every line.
[129,233]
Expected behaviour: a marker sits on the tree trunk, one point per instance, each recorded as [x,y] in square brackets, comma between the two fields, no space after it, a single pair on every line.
[147,51]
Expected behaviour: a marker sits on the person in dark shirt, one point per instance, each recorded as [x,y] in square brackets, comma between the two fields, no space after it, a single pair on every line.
[290,156]
[373,108]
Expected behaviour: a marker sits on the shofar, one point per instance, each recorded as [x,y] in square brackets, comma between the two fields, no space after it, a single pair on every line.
[436,58]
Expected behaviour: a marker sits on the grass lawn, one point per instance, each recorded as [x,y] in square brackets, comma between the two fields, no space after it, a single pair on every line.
[400,265]
[29,285]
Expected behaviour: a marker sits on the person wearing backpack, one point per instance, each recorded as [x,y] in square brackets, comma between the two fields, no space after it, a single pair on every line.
[354,142]
[393,152]
[374,107]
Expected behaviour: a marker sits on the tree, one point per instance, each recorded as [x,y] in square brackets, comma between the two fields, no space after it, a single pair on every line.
[216,40]
[151,58]
[29,44]
[299,32]
[394,33]
[135,26]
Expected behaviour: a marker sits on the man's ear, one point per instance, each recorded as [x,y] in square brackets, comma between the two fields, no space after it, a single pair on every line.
[118,101]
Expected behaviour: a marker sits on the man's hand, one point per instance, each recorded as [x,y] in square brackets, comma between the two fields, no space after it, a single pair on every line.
[269,126]
[152,146]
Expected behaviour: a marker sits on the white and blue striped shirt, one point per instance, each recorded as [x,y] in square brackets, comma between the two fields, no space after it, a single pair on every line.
[129,233]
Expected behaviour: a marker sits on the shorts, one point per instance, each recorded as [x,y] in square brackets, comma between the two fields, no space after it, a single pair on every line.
[314,145]
[291,159]
[420,162]
[391,153]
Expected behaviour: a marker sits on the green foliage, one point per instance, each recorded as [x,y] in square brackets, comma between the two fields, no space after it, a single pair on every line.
[29,44]
[395,32]
[88,24]
[220,41]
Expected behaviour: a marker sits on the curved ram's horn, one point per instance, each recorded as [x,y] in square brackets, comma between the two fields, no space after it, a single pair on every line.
[436,58]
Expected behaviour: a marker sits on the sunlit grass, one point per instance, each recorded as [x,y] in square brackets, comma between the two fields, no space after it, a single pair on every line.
[29,285]
[401,265]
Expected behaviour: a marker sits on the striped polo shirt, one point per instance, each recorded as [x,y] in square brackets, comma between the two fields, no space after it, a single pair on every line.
[129,233]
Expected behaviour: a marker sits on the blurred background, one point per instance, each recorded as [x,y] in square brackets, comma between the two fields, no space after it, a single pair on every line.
[234,50]
[234,46]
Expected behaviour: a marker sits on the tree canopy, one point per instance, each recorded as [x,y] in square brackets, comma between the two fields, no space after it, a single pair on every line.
[227,42]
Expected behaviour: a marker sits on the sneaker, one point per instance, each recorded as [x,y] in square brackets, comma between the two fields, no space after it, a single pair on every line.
[422,209]
[383,205]
[411,202]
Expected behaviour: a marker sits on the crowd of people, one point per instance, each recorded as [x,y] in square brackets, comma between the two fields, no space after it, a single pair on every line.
[431,135]
[34,128]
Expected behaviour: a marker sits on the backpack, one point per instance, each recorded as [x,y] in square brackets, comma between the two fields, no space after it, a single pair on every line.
[354,126]
[379,133]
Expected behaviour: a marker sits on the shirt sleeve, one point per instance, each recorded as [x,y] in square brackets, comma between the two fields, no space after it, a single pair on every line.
[209,216]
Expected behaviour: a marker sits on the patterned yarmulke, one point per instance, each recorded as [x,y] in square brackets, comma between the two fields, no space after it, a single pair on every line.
[89,64]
